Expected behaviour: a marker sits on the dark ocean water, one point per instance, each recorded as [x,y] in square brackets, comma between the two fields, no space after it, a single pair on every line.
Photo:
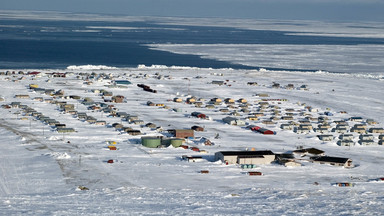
[58,44]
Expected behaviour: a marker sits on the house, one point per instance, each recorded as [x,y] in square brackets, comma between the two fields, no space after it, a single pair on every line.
[302,129]
[117,126]
[376,130]
[275,85]
[345,143]
[233,121]
[322,130]
[340,129]
[191,100]
[122,114]
[192,158]
[132,118]
[334,161]
[245,157]
[22,96]
[138,122]
[197,128]
[91,119]
[151,125]
[287,117]
[118,99]
[342,123]
[346,137]
[225,110]
[177,100]
[242,100]
[303,87]
[358,130]
[229,101]
[367,142]
[252,83]
[216,101]
[15,104]
[371,122]
[291,163]
[356,119]
[268,122]
[286,126]
[325,137]
[366,137]
[133,132]
[262,95]
[252,118]
[290,86]
[100,123]
[362,126]
[312,109]
[306,126]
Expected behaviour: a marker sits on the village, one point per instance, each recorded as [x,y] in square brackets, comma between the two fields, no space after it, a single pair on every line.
[205,119]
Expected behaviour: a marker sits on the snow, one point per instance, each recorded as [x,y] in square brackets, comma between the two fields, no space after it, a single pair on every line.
[89,67]
[41,170]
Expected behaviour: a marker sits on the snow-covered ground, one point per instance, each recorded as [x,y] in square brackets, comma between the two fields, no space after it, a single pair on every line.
[41,170]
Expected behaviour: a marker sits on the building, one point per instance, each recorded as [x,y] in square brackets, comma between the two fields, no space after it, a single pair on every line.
[334,161]
[216,82]
[233,121]
[65,130]
[366,137]
[346,137]
[309,151]
[183,133]
[122,82]
[376,130]
[245,157]
[286,126]
[118,99]
[367,142]
[325,137]
[345,143]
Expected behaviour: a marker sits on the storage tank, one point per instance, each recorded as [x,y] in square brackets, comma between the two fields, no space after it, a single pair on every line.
[175,142]
[151,142]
